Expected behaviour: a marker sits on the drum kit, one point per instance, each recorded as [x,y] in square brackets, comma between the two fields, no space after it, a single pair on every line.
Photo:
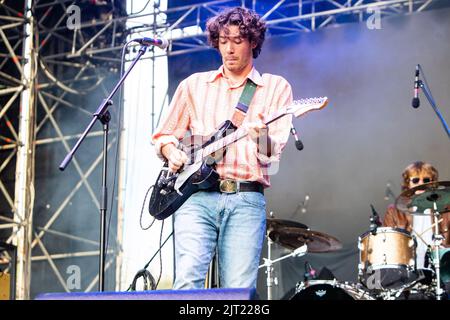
[387,268]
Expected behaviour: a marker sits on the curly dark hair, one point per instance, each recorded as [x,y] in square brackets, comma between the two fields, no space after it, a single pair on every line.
[250,26]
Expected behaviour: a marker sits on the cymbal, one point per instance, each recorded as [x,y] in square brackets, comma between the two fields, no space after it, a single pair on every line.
[293,238]
[421,199]
[277,224]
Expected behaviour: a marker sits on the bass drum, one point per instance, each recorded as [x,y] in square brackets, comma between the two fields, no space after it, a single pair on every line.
[330,290]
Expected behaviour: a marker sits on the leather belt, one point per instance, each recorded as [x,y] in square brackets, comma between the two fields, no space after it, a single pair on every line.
[233,186]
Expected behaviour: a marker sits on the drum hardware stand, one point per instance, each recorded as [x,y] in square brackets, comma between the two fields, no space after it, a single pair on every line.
[268,263]
[431,195]
[437,241]
[360,265]
[393,294]
[212,276]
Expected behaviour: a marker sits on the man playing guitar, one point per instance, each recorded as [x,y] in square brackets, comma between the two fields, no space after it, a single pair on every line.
[230,216]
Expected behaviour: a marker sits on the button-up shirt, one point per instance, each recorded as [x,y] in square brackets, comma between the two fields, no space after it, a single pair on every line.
[204,100]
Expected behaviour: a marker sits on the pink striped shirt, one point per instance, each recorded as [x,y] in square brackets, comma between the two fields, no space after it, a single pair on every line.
[204,100]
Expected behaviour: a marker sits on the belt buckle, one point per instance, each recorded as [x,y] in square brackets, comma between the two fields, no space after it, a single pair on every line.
[228,186]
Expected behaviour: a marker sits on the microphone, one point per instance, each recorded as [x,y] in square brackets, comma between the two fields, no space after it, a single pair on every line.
[388,193]
[160,43]
[310,273]
[305,204]
[415,101]
[298,143]
[374,221]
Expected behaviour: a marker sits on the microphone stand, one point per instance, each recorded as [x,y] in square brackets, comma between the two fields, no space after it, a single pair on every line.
[102,114]
[427,92]
[437,242]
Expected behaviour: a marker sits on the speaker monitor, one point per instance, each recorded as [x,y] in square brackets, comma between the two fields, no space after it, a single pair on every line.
[197,294]
[5,282]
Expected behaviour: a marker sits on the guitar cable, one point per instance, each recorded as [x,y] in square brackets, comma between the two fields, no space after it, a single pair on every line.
[142,210]
[147,276]
[160,254]
[144,273]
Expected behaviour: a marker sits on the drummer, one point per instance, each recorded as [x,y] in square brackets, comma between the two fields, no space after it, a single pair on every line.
[420,226]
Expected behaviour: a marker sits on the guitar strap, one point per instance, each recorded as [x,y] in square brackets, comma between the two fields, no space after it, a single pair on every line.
[243,103]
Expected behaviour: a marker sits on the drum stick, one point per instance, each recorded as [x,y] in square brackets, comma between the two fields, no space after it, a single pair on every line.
[419,235]
[427,229]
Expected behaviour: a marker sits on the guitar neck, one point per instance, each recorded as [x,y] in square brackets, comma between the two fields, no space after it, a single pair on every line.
[236,135]
[297,108]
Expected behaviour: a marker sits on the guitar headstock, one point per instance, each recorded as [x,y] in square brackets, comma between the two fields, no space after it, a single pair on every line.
[302,106]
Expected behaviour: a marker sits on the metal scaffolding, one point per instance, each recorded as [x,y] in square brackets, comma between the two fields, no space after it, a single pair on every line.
[49,65]
[283,17]
[24,185]
[47,88]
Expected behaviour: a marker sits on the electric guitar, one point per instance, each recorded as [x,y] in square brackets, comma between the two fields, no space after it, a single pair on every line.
[171,190]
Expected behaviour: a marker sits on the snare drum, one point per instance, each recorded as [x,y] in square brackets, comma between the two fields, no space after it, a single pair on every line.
[386,258]
[329,290]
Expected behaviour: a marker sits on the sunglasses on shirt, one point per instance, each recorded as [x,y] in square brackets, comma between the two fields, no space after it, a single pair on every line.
[424,180]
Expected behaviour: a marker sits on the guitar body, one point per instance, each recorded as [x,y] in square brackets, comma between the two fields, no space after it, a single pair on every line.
[170,192]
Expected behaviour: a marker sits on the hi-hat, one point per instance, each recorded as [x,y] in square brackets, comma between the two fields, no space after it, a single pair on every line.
[424,199]
[293,238]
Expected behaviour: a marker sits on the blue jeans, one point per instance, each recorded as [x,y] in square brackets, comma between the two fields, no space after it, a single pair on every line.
[234,223]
